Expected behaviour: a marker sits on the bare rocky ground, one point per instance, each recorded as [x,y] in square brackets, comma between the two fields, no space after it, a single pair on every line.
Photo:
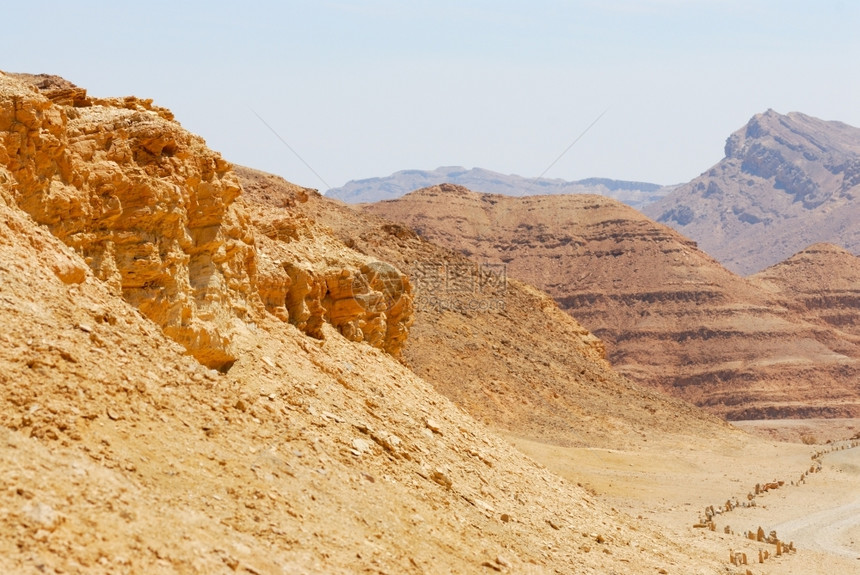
[674,485]
[190,386]
[809,431]
[649,456]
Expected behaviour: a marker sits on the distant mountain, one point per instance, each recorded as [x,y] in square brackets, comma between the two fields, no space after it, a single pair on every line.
[787,181]
[671,316]
[635,194]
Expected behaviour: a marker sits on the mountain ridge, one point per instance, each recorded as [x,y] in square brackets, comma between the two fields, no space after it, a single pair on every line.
[478,179]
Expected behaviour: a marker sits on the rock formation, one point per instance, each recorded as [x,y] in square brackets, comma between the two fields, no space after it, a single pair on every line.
[787,181]
[154,214]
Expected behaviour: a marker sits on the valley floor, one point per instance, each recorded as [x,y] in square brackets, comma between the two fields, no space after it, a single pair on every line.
[673,484]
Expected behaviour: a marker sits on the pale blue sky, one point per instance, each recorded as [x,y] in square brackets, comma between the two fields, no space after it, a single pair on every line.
[366,88]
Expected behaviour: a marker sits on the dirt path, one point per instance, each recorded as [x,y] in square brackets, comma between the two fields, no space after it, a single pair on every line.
[836,529]
[832,530]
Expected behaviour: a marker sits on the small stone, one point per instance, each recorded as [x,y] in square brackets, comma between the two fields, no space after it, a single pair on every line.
[112,413]
[332,417]
[268,361]
[433,426]
[42,514]
[361,445]
[231,562]
[505,518]
[438,476]
[69,271]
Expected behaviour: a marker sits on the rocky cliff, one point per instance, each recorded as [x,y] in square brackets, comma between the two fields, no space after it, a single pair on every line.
[154,213]
[671,316]
[787,181]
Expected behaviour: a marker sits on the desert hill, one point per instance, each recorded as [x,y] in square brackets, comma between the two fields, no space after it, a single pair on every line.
[670,316]
[191,387]
[636,194]
[787,182]
[823,282]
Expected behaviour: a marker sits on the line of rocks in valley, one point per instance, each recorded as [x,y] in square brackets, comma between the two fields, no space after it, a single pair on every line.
[740,558]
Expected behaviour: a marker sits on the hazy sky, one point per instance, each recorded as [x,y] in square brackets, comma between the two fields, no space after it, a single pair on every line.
[365,88]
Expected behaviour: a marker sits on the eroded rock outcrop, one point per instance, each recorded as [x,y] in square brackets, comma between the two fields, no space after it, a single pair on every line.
[146,203]
[311,278]
[154,213]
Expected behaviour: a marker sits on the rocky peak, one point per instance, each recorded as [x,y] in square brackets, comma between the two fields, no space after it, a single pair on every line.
[822,282]
[820,268]
[787,181]
[796,152]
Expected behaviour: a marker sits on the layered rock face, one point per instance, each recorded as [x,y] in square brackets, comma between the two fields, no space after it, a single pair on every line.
[671,316]
[311,279]
[822,282]
[147,205]
[787,181]
[155,215]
